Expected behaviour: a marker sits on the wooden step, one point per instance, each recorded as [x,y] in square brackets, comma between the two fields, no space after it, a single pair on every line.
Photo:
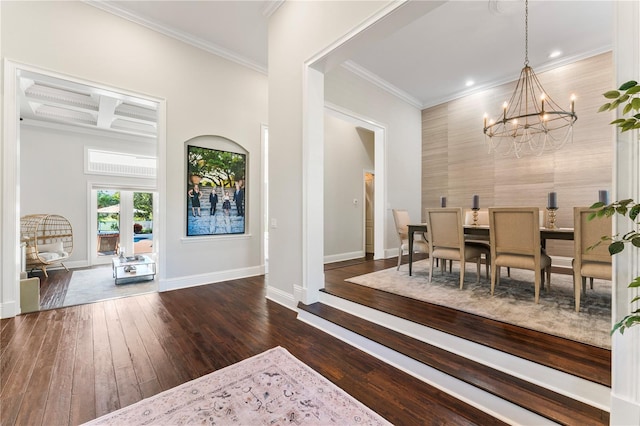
[539,400]
[578,359]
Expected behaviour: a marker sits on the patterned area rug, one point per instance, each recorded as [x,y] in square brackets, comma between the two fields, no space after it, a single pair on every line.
[513,301]
[91,285]
[271,388]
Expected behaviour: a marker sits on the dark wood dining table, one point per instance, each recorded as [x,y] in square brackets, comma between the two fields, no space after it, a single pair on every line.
[483,230]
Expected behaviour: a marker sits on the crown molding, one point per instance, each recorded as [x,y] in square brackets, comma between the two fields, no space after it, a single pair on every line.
[381,83]
[270,7]
[178,35]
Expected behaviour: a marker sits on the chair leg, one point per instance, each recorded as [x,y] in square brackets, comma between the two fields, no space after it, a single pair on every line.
[478,269]
[548,272]
[462,268]
[495,271]
[399,260]
[487,262]
[538,279]
[509,271]
[431,268]
[577,279]
[591,282]
[450,266]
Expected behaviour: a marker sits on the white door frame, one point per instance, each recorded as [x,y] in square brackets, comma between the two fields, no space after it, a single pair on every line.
[10,259]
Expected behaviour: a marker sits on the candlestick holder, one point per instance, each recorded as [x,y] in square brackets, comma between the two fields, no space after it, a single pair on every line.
[551,217]
[475,216]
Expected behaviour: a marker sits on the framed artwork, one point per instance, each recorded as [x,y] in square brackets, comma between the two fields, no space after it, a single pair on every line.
[215,190]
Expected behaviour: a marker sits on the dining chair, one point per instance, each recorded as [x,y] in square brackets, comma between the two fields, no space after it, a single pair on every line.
[514,234]
[446,240]
[402,221]
[589,261]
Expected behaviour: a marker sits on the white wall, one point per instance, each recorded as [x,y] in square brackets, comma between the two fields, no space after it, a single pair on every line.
[53,179]
[403,153]
[348,152]
[204,94]
[297,31]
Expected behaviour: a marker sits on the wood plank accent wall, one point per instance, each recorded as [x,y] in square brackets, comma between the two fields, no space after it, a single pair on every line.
[456,163]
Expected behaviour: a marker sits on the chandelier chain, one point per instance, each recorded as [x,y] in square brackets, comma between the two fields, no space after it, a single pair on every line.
[526,32]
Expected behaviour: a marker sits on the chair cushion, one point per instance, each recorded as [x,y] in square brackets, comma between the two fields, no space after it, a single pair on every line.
[418,246]
[521,261]
[470,253]
[56,247]
[598,270]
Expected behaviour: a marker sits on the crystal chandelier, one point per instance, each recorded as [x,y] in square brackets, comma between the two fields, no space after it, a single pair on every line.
[530,122]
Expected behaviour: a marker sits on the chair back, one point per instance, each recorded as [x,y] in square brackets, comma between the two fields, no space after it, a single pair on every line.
[402,221]
[514,230]
[445,227]
[589,232]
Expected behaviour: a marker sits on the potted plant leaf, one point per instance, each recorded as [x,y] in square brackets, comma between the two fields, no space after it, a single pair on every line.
[628,95]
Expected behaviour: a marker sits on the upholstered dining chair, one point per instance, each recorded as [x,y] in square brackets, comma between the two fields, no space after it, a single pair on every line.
[514,234]
[446,240]
[402,221]
[589,261]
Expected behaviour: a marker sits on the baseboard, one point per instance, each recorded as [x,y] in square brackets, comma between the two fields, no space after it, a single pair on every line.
[624,412]
[281,297]
[168,284]
[9,309]
[344,256]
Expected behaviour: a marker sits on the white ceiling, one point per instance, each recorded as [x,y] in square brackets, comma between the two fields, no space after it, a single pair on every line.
[426,63]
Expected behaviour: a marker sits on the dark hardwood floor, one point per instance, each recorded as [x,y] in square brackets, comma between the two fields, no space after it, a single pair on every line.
[70,365]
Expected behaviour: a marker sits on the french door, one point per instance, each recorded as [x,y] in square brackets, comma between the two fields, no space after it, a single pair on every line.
[121,221]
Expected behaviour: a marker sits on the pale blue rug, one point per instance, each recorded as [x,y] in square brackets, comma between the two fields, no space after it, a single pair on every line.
[92,285]
[513,301]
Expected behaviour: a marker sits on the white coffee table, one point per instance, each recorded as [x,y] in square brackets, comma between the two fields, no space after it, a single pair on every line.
[133,269]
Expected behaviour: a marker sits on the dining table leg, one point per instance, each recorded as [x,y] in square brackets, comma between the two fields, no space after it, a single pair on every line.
[411,231]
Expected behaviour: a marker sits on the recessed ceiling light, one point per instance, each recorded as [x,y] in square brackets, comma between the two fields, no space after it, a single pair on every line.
[470,83]
[555,54]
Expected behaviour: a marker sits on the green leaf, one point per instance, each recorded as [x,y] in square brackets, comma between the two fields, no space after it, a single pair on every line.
[611,94]
[616,327]
[597,205]
[616,247]
[629,84]
[635,283]
[627,108]
[621,210]
[633,90]
[604,107]
[635,210]
[635,102]
[619,120]
[635,299]
[623,98]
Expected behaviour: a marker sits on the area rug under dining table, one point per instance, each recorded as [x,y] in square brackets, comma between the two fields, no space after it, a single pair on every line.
[512,303]
[271,388]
